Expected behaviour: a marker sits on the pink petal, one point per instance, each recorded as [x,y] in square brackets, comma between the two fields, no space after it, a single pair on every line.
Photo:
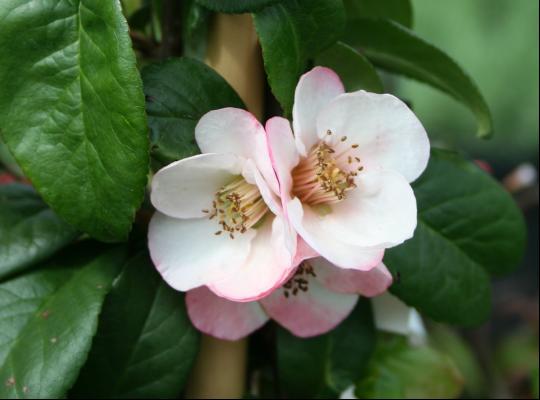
[309,313]
[314,91]
[221,318]
[188,254]
[267,267]
[311,227]
[389,135]
[366,283]
[231,130]
[380,212]
[186,187]
[283,153]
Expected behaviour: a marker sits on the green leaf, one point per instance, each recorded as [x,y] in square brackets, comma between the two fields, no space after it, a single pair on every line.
[330,363]
[179,92]
[468,227]
[354,69]
[398,370]
[400,11]
[48,319]
[195,24]
[72,110]
[29,230]
[236,6]
[145,344]
[8,161]
[290,34]
[397,49]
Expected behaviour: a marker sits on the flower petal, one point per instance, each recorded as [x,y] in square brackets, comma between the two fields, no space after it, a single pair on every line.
[380,212]
[221,318]
[388,134]
[186,187]
[267,267]
[188,254]
[367,283]
[231,130]
[314,91]
[310,313]
[392,315]
[283,153]
[311,227]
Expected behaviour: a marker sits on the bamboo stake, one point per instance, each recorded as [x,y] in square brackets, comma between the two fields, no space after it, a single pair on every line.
[233,51]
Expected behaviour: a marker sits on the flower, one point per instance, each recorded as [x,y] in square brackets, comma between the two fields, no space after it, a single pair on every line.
[219,222]
[344,175]
[314,300]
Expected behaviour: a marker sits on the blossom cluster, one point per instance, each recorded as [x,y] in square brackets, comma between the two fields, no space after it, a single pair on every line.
[289,222]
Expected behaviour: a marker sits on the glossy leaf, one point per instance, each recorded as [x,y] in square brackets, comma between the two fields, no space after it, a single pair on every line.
[48,319]
[353,68]
[72,110]
[326,365]
[400,11]
[179,92]
[145,344]
[290,34]
[468,227]
[397,49]
[236,6]
[29,230]
[399,371]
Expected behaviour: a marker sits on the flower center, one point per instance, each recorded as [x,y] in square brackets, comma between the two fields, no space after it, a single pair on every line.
[327,173]
[237,206]
[299,282]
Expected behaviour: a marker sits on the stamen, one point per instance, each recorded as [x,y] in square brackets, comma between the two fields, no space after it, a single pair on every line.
[238,206]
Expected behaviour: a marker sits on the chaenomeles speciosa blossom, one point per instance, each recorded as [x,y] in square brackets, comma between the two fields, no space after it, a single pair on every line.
[340,182]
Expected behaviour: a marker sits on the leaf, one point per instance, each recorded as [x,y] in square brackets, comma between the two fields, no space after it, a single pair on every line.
[179,92]
[290,34]
[48,319]
[72,110]
[400,11]
[145,344]
[8,161]
[468,227]
[354,69]
[398,370]
[195,24]
[397,49]
[237,6]
[327,364]
[29,230]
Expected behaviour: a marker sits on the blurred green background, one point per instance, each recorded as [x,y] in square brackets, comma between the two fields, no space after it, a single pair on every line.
[496,42]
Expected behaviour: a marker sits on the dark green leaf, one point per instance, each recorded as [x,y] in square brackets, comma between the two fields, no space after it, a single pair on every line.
[145,344]
[397,10]
[468,227]
[8,161]
[397,49]
[179,92]
[72,110]
[330,363]
[399,371]
[195,24]
[354,69]
[237,6]
[48,319]
[29,230]
[291,33]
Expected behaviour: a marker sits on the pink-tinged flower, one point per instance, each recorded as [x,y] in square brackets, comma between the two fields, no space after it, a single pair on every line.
[344,175]
[219,222]
[314,300]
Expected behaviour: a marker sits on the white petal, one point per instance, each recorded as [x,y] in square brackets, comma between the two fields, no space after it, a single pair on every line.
[188,254]
[314,91]
[389,135]
[231,130]
[311,227]
[267,267]
[394,316]
[186,187]
[380,212]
